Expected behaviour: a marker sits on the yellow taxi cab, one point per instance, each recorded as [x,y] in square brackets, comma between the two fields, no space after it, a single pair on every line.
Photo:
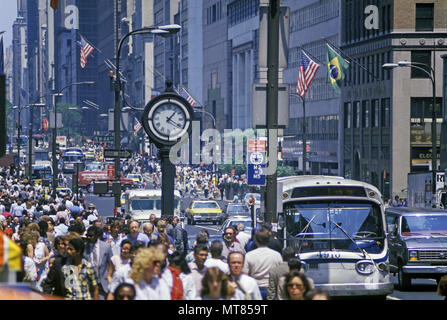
[204,211]
[90,156]
[136,178]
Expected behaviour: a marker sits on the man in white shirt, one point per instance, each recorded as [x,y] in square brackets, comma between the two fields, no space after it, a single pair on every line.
[242,236]
[260,261]
[246,287]
[216,257]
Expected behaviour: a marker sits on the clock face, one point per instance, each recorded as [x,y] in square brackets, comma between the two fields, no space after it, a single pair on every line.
[169,120]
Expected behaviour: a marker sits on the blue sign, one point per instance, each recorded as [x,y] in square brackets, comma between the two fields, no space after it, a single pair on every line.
[256,168]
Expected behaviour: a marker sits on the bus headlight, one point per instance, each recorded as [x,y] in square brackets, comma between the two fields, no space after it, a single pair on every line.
[413,255]
[365,267]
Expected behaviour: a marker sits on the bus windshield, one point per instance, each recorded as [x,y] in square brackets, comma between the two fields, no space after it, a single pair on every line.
[149,204]
[142,204]
[335,226]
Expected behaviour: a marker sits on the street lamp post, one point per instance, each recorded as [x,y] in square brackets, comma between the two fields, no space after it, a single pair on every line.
[432,77]
[304,132]
[164,31]
[53,151]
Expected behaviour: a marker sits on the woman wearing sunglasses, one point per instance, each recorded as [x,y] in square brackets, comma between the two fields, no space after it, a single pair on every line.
[296,285]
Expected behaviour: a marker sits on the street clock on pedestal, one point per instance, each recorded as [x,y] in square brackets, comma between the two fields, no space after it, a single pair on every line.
[167,118]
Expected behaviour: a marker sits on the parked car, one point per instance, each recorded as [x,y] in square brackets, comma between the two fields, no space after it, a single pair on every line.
[204,211]
[417,239]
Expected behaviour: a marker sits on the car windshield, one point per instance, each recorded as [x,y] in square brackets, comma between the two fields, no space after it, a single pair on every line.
[335,226]
[424,225]
[238,208]
[72,158]
[247,224]
[205,205]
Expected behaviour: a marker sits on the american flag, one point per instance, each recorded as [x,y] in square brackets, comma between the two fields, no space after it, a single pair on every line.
[187,96]
[137,126]
[86,50]
[307,72]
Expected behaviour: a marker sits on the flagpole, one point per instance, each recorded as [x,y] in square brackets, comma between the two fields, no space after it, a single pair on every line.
[304,135]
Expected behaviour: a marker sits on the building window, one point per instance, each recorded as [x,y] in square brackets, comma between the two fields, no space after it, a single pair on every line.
[357,114]
[347,112]
[365,114]
[424,16]
[385,113]
[421,57]
[375,114]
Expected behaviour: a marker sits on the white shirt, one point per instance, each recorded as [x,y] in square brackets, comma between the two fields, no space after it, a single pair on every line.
[121,275]
[259,262]
[156,290]
[115,244]
[243,238]
[189,287]
[118,262]
[210,263]
[250,287]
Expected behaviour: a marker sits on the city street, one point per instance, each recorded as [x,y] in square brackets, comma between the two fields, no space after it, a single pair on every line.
[422,289]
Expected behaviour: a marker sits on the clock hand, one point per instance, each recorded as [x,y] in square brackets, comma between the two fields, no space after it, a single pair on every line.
[175,124]
[169,118]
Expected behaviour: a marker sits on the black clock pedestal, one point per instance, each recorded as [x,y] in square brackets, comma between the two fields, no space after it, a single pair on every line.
[167,182]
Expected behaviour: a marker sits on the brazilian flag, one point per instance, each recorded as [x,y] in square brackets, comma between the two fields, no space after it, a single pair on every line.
[336,67]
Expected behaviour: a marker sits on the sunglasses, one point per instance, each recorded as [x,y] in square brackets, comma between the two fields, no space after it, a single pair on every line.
[295,285]
[229,233]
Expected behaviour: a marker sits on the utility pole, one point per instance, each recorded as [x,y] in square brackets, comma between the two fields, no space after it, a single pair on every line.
[272,108]
[117,111]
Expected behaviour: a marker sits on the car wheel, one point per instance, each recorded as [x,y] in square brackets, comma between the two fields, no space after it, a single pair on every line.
[404,279]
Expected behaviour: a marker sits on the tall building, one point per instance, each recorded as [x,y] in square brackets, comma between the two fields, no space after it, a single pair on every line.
[243,37]
[313,23]
[386,114]
[216,64]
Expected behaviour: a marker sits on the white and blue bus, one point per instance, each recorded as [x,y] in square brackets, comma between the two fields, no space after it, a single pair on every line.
[337,227]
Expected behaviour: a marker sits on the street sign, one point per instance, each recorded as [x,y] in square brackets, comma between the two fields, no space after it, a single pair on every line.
[110,171]
[113,153]
[257,159]
[45,125]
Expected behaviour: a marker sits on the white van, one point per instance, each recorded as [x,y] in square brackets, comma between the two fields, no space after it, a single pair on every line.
[140,204]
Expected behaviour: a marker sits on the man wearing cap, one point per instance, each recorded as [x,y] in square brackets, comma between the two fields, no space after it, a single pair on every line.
[92,209]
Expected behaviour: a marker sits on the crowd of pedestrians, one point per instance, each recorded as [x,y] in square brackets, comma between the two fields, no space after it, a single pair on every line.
[69,251]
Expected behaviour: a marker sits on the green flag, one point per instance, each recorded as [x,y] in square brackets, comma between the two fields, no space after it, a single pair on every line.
[336,67]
